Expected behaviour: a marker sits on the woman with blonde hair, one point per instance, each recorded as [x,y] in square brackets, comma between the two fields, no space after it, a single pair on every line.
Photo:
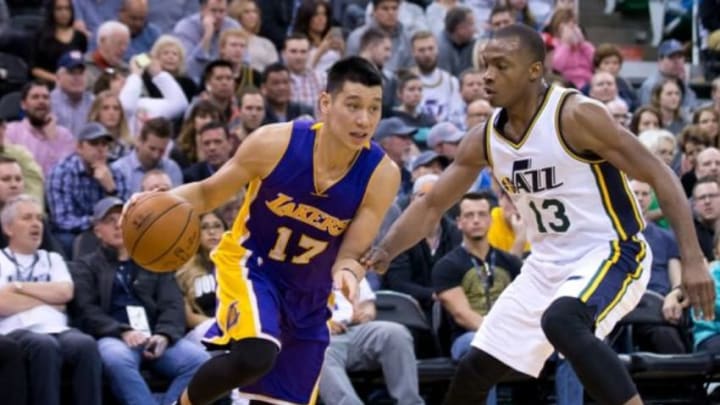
[260,51]
[107,110]
[169,52]
[196,279]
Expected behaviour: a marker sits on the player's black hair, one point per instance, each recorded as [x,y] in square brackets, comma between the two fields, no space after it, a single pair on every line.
[530,40]
[352,69]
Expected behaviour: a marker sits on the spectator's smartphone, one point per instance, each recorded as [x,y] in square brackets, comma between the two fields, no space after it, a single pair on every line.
[143,60]
[335,32]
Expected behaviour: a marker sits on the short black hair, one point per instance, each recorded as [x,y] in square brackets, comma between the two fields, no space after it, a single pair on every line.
[214,125]
[273,68]
[352,69]
[211,67]
[530,40]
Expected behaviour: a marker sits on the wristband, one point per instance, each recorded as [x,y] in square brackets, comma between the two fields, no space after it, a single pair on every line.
[351,272]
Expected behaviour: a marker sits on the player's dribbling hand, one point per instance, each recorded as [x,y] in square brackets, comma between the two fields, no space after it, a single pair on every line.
[698,289]
[376,259]
[130,203]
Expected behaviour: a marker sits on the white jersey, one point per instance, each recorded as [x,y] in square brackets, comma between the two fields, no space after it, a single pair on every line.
[571,203]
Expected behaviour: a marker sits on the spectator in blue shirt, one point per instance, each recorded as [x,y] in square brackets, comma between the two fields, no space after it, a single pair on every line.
[200,34]
[143,34]
[149,154]
[79,181]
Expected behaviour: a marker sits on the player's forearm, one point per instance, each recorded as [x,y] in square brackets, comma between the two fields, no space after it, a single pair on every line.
[677,210]
[418,220]
[193,193]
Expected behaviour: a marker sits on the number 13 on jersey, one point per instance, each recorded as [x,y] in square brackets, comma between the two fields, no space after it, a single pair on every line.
[551,214]
[313,247]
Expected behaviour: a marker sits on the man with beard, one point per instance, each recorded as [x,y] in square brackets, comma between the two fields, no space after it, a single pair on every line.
[38,131]
[441,91]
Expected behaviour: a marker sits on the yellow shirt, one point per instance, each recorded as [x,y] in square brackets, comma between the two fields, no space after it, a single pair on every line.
[500,234]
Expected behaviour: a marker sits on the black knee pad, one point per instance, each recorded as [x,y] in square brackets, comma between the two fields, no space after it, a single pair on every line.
[253,356]
[564,319]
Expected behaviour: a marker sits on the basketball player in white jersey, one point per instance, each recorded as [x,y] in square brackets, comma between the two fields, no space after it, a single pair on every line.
[563,160]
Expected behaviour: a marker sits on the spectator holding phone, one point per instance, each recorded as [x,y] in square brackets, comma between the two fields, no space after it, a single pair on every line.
[326,44]
[136,315]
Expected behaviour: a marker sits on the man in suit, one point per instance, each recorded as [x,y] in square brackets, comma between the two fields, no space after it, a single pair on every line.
[214,144]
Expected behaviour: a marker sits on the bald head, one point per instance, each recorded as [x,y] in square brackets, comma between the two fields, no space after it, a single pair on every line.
[134,14]
[708,163]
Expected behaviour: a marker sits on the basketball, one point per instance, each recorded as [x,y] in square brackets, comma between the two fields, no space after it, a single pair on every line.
[161,232]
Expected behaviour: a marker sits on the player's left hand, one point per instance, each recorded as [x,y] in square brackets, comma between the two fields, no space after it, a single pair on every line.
[698,289]
[347,282]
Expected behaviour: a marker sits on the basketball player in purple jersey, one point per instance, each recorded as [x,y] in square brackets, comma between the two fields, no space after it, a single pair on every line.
[307,217]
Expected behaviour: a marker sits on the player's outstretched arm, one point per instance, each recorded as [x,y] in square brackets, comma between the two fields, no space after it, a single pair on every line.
[588,127]
[424,213]
[255,158]
[363,229]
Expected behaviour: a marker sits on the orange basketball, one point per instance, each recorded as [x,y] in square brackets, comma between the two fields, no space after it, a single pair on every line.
[161,232]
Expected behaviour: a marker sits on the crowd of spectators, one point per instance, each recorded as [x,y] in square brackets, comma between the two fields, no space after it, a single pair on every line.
[134,95]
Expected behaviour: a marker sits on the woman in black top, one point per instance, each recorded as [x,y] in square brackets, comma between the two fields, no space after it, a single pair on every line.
[56,37]
[196,279]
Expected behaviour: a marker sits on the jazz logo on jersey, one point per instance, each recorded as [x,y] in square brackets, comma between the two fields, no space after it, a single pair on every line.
[284,206]
[525,179]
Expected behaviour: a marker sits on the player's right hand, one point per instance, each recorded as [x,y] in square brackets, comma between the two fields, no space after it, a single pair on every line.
[376,259]
[130,203]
